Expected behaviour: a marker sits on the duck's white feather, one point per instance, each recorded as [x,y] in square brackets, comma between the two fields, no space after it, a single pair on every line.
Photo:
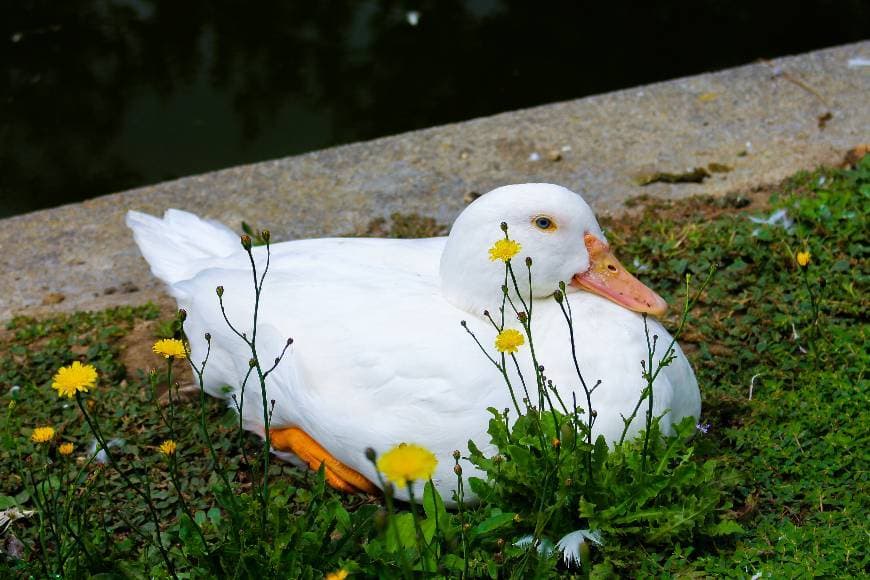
[379,356]
[176,245]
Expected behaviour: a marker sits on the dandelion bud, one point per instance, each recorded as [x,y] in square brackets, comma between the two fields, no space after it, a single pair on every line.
[498,459]
[456,455]
[504,289]
[540,368]
[219,291]
[182,314]
[208,337]
[252,362]
[558,296]
[504,227]
[266,235]
[370,454]
[529,261]
[463,324]
[522,317]
[457,469]
[556,443]
[246,241]
[289,341]
[562,286]
[594,413]
[273,403]
[486,313]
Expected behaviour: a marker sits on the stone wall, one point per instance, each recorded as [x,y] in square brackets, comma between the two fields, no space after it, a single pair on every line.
[763,121]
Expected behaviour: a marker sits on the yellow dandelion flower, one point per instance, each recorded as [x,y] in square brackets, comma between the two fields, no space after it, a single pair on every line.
[337,575]
[168,447]
[42,434]
[170,348]
[509,340]
[504,250]
[65,449]
[73,379]
[803,258]
[407,462]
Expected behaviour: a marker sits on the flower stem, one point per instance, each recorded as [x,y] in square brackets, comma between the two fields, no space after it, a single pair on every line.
[130,485]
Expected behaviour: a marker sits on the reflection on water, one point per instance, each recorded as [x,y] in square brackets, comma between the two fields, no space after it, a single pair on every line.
[101,95]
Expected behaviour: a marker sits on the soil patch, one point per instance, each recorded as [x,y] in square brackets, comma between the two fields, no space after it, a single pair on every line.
[136,354]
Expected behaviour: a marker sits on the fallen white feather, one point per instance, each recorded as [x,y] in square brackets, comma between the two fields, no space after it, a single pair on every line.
[570,544]
[777,218]
[8,516]
[544,546]
[101,456]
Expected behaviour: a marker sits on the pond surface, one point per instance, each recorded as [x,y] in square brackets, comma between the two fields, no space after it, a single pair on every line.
[102,96]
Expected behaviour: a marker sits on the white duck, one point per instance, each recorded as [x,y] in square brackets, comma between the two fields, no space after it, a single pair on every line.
[379,356]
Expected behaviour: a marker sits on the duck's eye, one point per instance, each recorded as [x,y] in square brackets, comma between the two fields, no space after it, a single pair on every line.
[544,223]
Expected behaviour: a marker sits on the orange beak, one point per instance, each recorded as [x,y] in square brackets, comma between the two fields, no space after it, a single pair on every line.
[608,278]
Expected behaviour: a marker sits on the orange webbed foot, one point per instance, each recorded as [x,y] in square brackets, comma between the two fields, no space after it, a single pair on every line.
[338,475]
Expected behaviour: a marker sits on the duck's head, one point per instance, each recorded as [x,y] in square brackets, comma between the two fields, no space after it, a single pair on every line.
[554,227]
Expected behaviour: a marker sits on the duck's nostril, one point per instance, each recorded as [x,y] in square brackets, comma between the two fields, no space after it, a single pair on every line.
[611,267]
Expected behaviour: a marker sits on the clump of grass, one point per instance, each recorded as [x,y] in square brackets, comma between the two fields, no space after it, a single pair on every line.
[778,349]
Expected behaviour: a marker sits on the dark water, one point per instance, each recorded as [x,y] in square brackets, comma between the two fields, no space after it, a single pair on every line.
[101,96]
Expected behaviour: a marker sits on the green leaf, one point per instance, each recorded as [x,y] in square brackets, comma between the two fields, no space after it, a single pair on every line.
[492,523]
[453,562]
[401,525]
[214,515]
[433,505]
[599,454]
[521,457]
[479,486]
[724,528]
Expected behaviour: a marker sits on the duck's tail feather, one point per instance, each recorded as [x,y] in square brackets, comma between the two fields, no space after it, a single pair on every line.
[175,245]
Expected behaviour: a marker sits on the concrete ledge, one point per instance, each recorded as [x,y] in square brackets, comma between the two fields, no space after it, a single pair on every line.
[761,119]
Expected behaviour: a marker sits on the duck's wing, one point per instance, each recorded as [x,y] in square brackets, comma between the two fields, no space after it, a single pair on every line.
[378,358]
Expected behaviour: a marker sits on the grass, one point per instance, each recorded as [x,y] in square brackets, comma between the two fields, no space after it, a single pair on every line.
[799,444]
